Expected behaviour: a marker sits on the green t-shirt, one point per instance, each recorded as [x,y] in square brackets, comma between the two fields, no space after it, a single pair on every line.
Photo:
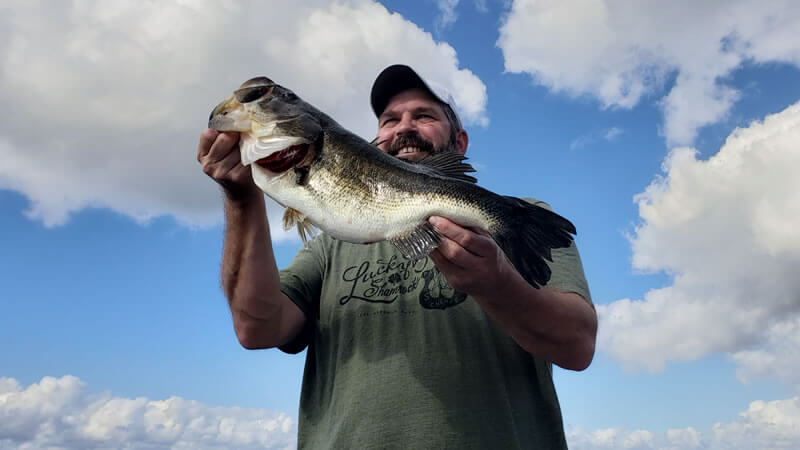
[398,359]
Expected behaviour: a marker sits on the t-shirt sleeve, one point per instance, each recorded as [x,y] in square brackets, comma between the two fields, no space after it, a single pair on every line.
[301,281]
[567,270]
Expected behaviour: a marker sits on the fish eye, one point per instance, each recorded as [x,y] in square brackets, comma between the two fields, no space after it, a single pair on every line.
[250,94]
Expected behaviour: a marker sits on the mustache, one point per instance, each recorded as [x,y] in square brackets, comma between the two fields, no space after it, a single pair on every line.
[410,140]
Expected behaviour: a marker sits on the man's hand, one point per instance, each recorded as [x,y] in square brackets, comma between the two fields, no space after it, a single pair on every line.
[218,153]
[560,327]
[470,259]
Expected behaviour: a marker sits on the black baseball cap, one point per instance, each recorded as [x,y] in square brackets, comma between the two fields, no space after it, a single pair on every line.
[398,78]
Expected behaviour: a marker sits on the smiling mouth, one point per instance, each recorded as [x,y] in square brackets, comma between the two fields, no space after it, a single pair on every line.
[285,159]
[407,150]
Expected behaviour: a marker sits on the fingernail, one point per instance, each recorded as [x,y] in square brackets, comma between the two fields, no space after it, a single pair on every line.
[433,220]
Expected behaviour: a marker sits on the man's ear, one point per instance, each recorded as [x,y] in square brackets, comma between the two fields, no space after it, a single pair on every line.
[462,140]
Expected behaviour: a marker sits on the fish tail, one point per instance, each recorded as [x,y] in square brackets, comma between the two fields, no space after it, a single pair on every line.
[527,233]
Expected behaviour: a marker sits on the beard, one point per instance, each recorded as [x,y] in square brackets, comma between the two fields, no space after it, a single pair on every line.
[413,139]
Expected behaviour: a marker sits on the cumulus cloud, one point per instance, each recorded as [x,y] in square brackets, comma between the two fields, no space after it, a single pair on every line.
[620,52]
[726,230]
[106,100]
[61,413]
[619,438]
[777,355]
[765,425]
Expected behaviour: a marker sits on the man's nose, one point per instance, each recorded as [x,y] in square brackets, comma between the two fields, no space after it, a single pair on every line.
[405,125]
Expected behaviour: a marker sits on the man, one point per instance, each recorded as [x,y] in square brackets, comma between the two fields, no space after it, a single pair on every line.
[450,351]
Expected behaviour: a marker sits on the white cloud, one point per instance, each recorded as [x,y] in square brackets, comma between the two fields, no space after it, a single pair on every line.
[620,52]
[684,438]
[765,425]
[612,133]
[619,438]
[776,356]
[61,413]
[726,230]
[105,100]
[608,134]
[447,13]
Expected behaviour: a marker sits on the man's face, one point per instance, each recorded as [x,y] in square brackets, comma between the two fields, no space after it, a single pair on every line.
[413,126]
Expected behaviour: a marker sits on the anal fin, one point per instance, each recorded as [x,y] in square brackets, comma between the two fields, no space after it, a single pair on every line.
[417,243]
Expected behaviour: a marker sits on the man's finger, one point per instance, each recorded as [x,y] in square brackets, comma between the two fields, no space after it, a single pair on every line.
[475,243]
[223,145]
[458,255]
[443,263]
[241,172]
[230,162]
[206,141]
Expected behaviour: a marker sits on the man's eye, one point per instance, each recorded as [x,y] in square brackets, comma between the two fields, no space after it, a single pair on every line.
[425,116]
[388,121]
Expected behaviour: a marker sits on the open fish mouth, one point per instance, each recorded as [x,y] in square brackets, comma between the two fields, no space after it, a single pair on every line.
[285,159]
[273,152]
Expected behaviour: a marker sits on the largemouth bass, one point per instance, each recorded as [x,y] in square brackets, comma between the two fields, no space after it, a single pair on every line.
[343,185]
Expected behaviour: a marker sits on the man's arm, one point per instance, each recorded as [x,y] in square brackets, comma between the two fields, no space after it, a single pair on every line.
[560,327]
[263,316]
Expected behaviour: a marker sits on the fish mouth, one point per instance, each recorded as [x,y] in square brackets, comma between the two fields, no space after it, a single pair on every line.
[285,159]
[229,116]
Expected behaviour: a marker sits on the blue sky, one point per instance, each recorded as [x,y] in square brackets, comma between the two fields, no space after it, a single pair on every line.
[668,135]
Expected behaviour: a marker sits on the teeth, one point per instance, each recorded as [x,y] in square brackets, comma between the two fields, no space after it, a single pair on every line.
[408,150]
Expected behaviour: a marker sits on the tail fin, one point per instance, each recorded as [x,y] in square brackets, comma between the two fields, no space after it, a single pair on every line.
[527,235]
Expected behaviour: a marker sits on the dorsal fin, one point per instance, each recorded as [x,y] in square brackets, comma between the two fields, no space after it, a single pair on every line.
[375,142]
[449,164]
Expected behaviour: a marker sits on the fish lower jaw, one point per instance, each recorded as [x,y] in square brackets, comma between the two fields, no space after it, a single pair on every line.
[234,121]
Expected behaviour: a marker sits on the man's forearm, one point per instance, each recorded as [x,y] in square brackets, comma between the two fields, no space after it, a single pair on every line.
[557,326]
[262,315]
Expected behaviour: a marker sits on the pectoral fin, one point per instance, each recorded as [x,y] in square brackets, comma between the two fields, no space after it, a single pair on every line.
[417,243]
[293,217]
